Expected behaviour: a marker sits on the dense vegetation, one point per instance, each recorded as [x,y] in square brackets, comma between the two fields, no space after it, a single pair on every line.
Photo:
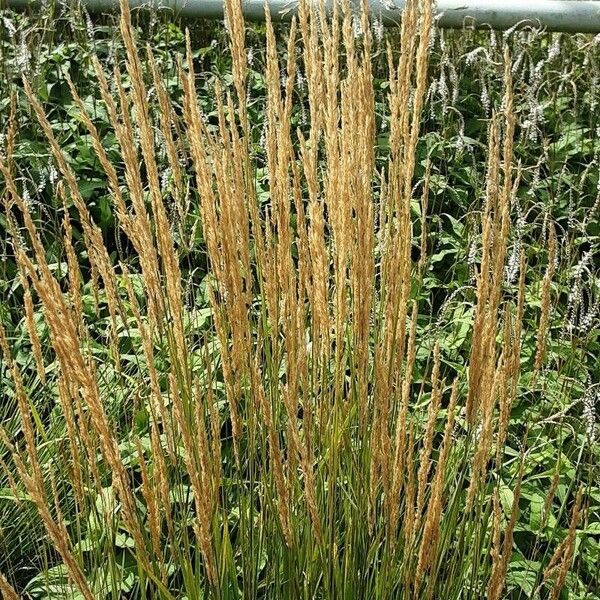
[303,310]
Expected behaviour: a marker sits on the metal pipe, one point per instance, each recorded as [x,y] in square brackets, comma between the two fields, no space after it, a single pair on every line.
[554,15]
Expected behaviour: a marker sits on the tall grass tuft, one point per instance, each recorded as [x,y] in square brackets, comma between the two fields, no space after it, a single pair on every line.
[282,443]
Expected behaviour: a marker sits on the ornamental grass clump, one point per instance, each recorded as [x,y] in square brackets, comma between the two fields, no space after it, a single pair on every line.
[293,431]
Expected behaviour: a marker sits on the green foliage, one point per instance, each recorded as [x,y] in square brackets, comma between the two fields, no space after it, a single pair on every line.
[558,151]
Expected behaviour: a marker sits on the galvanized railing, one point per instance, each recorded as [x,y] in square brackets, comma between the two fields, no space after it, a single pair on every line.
[554,15]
